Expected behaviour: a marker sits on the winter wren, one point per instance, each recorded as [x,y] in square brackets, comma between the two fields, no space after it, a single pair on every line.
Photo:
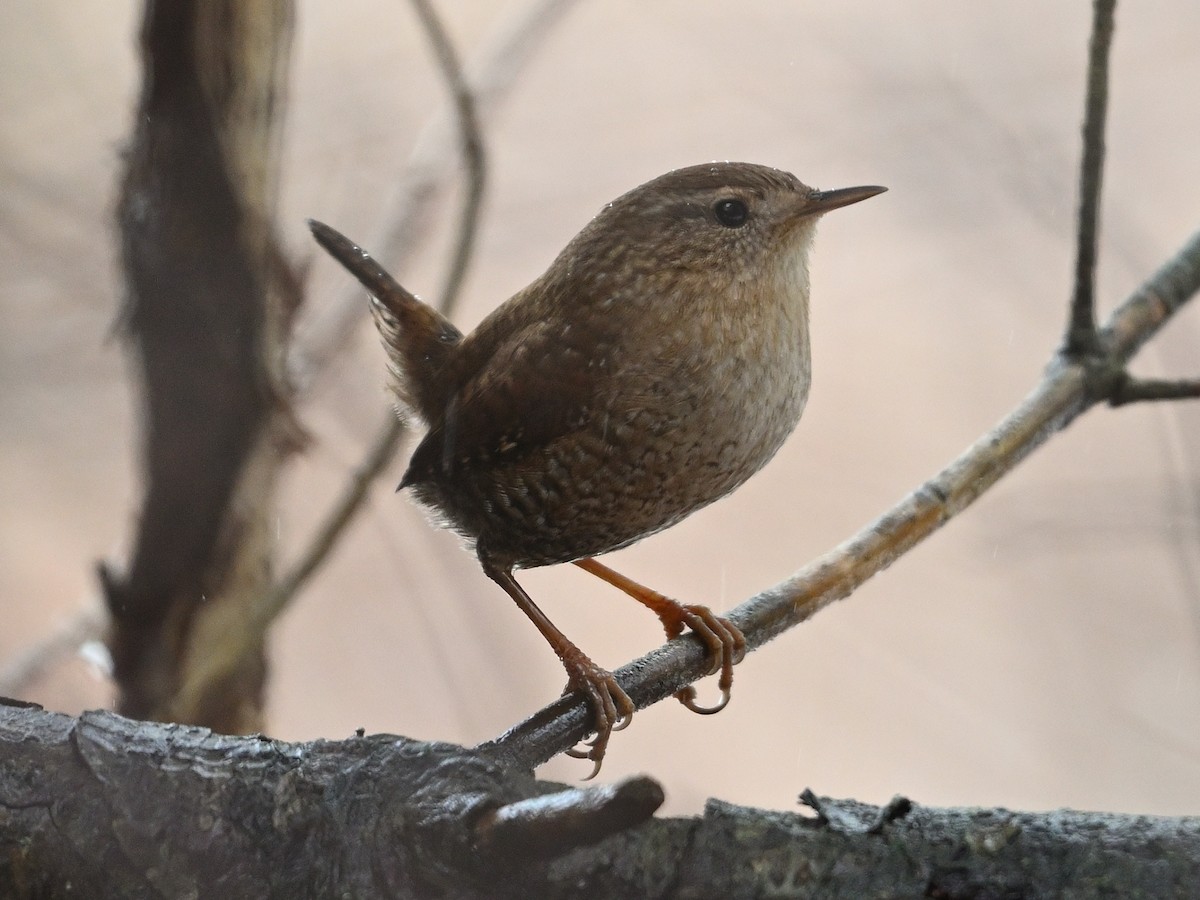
[658,363]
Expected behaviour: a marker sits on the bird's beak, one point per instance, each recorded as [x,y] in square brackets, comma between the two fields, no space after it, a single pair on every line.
[823,201]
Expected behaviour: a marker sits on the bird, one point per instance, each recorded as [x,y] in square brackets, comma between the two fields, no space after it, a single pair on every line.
[660,361]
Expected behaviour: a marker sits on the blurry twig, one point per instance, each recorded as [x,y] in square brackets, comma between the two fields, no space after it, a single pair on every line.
[488,80]
[35,662]
[383,448]
[472,149]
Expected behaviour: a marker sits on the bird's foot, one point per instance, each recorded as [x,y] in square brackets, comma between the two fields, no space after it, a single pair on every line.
[725,645]
[612,709]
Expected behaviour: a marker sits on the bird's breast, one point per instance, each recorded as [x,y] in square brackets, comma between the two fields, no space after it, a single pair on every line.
[698,407]
[726,396]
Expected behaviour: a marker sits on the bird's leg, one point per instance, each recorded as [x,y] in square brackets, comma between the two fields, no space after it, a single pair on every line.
[612,709]
[724,641]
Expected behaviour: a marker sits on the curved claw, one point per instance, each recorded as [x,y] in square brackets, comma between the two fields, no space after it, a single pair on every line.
[687,697]
[612,710]
[724,643]
[726,646]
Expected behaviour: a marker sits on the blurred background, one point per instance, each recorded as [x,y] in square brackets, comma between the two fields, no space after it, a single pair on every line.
[1042,651]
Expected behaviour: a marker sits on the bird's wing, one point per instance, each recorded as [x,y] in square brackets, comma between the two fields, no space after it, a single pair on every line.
[529,388]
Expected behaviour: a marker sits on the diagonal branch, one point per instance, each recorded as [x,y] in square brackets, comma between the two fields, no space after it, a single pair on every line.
[1066,391]
[1081,336]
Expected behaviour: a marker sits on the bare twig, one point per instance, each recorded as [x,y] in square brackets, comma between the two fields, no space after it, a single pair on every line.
[1063,394]
[382,450]
[1081,330]
[425,173]
[471,147]
[34,662]
[1134,390]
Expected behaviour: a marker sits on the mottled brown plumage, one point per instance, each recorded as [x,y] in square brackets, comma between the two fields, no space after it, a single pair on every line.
[658,363]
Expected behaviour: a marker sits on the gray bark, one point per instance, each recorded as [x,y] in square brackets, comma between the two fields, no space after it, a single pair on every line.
[104,806]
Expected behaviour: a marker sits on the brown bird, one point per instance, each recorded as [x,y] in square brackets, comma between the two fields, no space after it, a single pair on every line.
[659,362]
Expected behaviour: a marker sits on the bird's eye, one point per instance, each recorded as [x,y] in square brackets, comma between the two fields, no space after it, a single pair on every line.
[731,212]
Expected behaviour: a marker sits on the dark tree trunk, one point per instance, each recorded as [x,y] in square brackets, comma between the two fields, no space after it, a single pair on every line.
[207,312]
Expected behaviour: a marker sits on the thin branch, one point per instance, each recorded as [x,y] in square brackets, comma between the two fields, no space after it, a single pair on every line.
[425,173]
[1135,390]
[34,662]
[343,512]
[1063,394]
[472,148]
[1081,336]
